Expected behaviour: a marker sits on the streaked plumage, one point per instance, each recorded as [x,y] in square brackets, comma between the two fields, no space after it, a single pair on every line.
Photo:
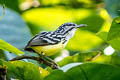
[51,42]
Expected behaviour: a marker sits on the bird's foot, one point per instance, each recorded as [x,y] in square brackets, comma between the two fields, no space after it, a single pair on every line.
[48,61]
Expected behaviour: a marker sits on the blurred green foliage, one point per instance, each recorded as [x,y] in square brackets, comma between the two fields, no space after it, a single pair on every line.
[22,70]
[6,46]
[90,47]
[113,7]
[9,4]
[92,71]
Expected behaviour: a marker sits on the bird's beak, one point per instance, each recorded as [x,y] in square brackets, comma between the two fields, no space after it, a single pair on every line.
[81,25]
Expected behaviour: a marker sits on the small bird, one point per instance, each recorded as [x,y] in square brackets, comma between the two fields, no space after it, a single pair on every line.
[49,43]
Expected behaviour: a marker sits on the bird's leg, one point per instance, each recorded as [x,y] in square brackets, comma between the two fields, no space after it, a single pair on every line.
[48,60]
[54,65]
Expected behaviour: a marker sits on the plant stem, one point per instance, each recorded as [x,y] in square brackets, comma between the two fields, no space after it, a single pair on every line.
[39,59]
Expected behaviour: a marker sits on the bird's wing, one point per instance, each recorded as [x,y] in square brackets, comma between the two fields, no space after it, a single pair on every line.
[38,40]
[41,40]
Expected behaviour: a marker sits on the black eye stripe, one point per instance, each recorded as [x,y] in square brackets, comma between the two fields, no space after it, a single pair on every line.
[68,30]
[64,27]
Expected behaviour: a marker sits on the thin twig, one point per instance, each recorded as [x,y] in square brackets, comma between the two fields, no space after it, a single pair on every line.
[3,14]
[99,53]
[39,59]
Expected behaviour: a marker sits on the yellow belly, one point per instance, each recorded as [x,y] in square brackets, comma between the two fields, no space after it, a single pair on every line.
[49,49]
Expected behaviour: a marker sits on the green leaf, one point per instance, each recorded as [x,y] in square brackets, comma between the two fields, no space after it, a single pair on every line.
[66,60]
[6,46]
[115,43]
[22,70]
[78,57]
[88,71]
[13,29]
[94,71]
[94,22]
[103,35]
[48,20]
[115,29]
[56,75]
[114,34]
[113,59]
[84,41]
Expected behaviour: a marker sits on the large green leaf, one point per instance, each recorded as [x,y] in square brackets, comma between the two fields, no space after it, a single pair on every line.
[51,18]
[13,29]
[103,35]
[88,71]
[22,70]
[115,43]
[115,29]
[6,46]
[94,22]
[84,40]
[114,34]
[78,57]
[56,75]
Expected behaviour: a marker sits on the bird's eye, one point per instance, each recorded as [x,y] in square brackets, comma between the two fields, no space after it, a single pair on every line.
[70,24]
[73,24]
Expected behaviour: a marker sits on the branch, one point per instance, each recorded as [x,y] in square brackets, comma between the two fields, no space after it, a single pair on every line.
[53,65]
[23,57]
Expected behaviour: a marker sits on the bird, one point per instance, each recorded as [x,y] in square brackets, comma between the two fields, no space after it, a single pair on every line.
[49,43]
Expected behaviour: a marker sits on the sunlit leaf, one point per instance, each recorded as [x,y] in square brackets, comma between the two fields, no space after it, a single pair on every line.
[94,22]
[83,41]
[22,70]
[6,46]
[51,18]
[115,29]
[103,35]
[115,43]
[79,57]
[114,34]
[43,72]
[113,59]
[56,75]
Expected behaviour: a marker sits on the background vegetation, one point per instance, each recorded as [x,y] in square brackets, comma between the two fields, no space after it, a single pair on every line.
[92,54]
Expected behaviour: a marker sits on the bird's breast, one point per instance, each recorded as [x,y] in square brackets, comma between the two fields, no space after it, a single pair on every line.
[48,50]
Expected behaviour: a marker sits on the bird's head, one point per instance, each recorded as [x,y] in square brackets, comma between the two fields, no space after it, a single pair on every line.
[69,28]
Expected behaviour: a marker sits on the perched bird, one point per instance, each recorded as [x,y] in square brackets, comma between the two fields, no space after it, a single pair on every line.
[51,42]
